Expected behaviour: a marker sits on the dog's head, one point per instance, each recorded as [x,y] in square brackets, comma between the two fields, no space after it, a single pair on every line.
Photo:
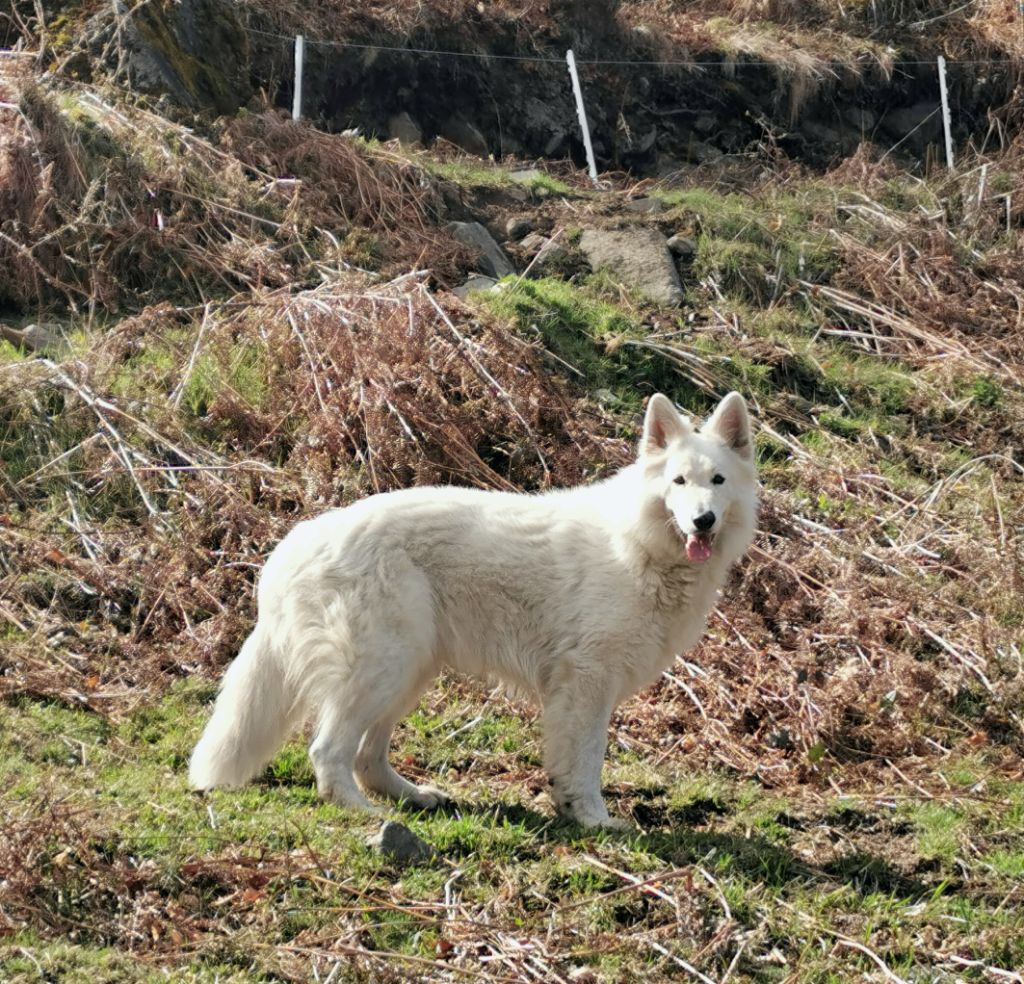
[704,476]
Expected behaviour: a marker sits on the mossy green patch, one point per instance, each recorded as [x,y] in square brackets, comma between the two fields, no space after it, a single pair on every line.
[593,335]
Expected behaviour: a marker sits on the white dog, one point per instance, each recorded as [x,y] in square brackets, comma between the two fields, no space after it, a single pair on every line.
[579,597]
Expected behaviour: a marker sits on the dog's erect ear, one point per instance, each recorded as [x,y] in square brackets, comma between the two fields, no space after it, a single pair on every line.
[731,424]
[662,424]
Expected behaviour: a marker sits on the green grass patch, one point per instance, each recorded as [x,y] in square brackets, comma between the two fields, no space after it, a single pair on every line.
[498,843]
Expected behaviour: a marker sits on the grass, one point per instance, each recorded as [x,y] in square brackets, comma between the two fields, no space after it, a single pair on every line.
[471,172]
[261,871]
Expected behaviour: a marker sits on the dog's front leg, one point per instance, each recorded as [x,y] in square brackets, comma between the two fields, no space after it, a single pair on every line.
[576,716]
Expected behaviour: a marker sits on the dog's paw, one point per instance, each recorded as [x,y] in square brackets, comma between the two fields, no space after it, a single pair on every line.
[428,798]
[597,819]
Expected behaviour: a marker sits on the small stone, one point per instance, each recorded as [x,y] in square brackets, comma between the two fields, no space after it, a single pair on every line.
[682,246]
[638,257]
[555,143]
[46,337]
[517,226]
[526,176]
[704,153]
[645,142]
[475,284]
[645,206]
[545,251]
[399,844]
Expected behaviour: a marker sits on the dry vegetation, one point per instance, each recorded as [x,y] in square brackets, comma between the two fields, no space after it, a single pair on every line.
[829,787]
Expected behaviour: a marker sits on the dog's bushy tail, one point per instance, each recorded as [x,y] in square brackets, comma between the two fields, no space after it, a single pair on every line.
[251,718]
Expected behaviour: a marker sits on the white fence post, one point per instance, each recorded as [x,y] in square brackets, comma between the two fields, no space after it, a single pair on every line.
[947,123]
[582,113]
[300,47]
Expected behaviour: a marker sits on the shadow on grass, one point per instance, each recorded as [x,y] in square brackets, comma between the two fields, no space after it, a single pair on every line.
[751,856]
[670,835]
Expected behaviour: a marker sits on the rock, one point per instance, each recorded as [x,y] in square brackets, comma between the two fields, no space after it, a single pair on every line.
[544,123]
[517,226]
[825,137]
[645,206]
[639,258]
[492,260]
[474,284]
[640,144]
[682,246]
[399,844]
[46,338]
[462,133]
[555,143]
[703,153]
[402,127]
[545,252]
[527,176]
[862,120]
[923,119]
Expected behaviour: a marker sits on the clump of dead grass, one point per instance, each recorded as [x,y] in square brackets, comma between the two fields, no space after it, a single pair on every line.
[181,488]
[113,208]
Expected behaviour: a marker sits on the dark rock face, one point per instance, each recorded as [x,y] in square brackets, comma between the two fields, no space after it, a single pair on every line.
[199,54]
[195,51]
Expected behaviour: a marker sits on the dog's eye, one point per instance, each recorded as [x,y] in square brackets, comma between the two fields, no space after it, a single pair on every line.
[679,480]
[718,480]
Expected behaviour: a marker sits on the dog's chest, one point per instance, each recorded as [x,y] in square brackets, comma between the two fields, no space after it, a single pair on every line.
[676,619]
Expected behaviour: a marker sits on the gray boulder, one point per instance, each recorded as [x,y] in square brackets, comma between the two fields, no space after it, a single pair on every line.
[196,52]
[492,260]
[403,128]
[462,133]
[639,258]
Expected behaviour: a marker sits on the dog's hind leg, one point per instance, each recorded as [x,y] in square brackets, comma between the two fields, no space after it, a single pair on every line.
[342,723]
[357,717]
[374,772]
[365,700]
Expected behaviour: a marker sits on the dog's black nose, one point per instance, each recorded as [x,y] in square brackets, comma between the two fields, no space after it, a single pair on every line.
[705,521]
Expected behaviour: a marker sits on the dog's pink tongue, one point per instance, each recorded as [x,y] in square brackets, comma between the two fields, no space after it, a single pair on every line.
[698,547]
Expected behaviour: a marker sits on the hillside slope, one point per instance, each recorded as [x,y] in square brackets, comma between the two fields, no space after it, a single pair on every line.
[214,330]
